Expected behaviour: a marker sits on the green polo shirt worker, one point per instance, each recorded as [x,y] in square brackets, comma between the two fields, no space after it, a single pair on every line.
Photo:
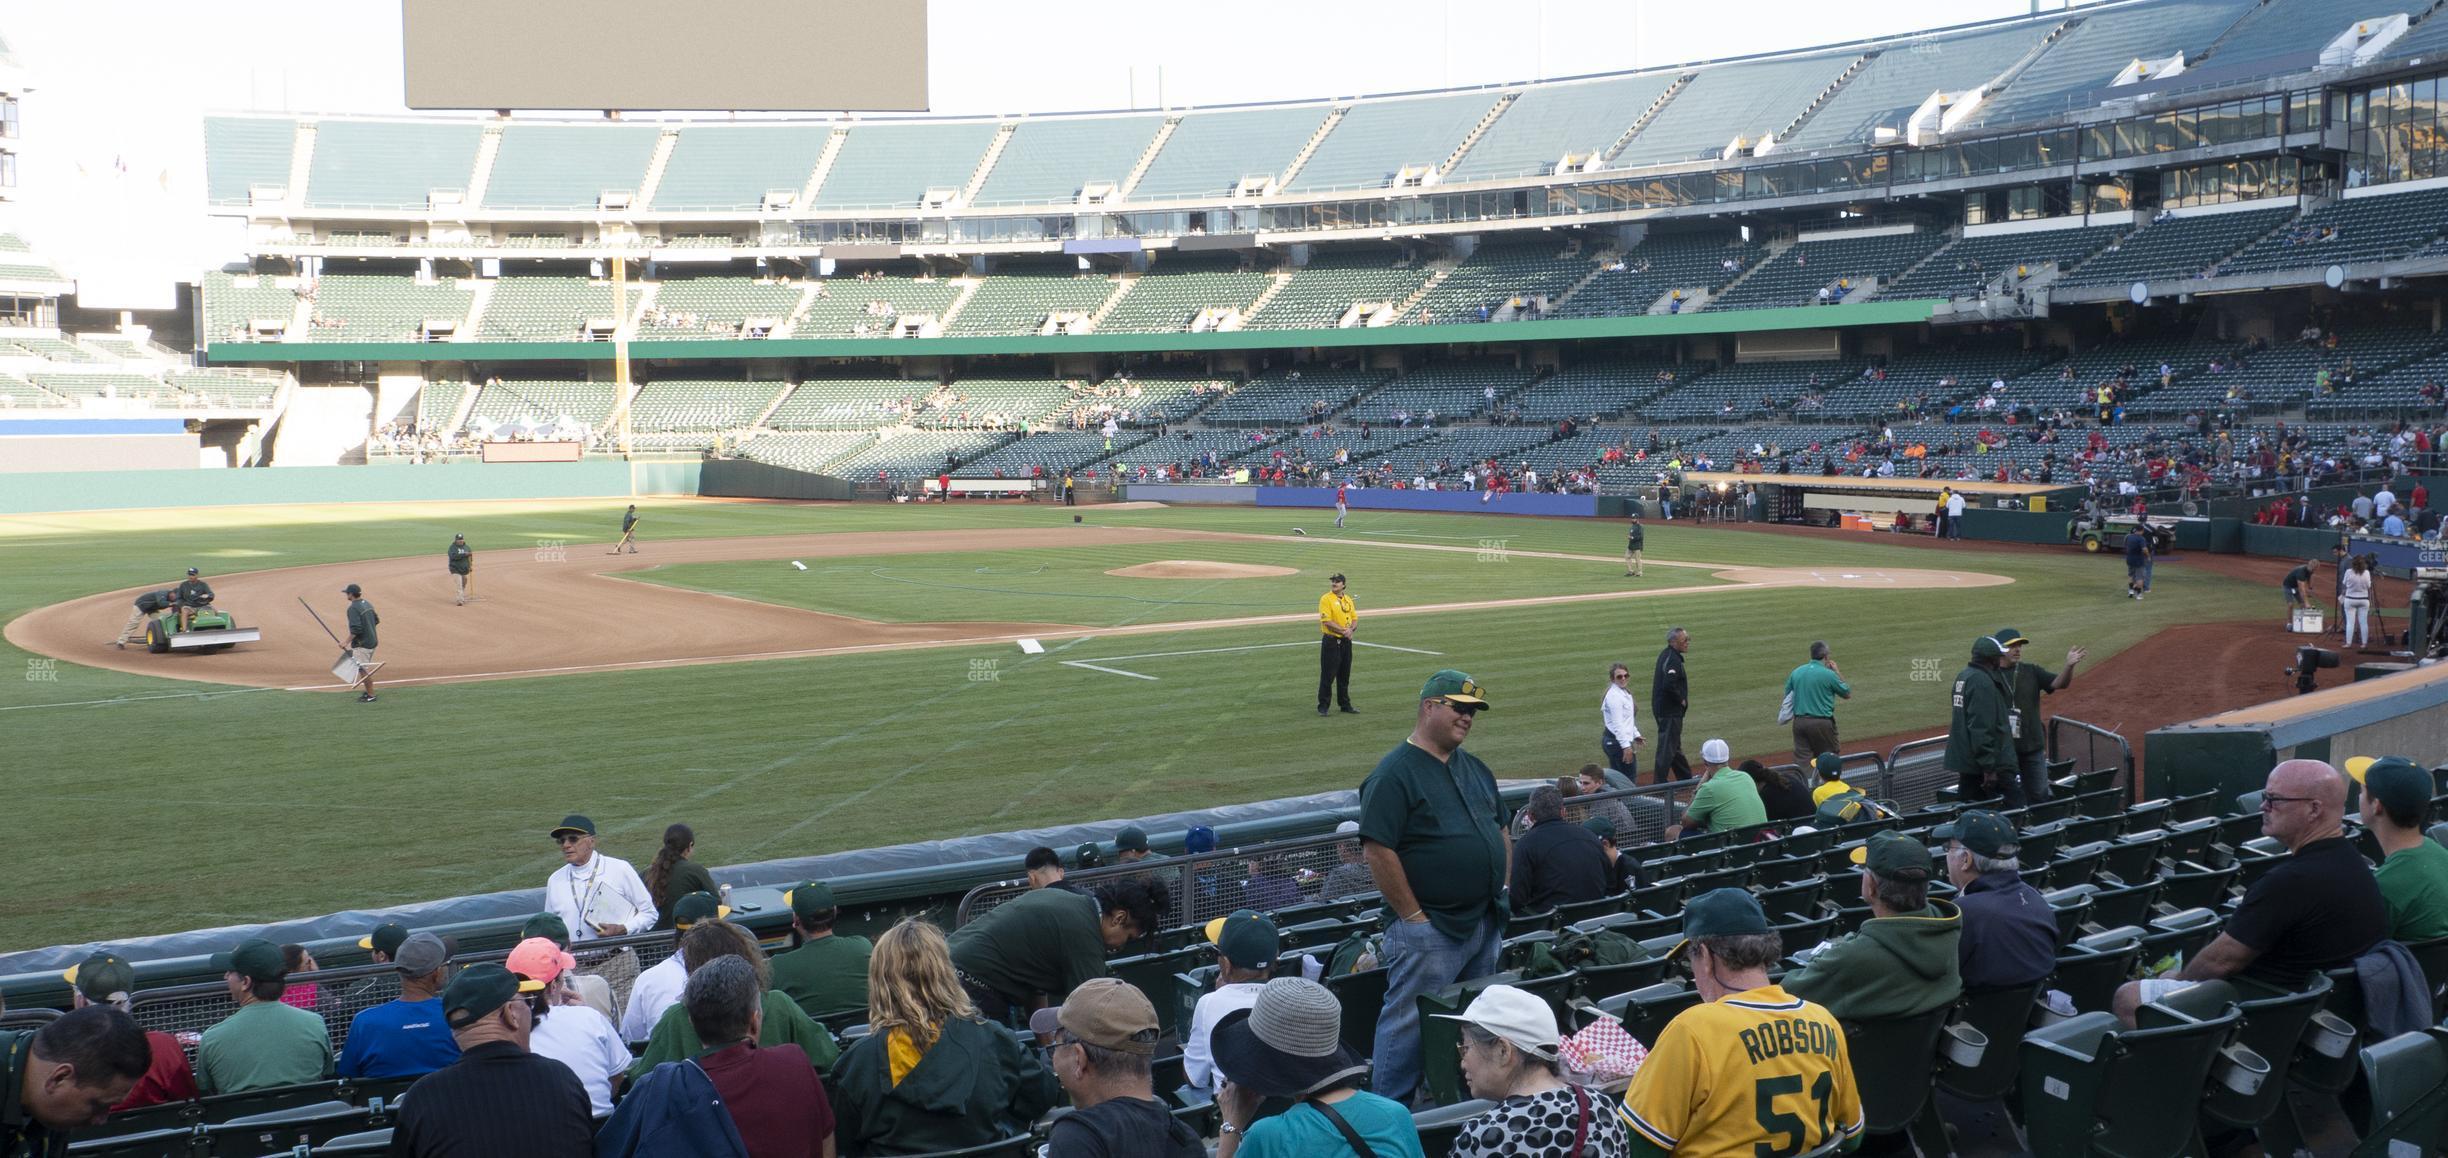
[827,973]
[2414,877]
[1433,831]
[265,1043]
[1728,799]
[1815,688]
[66,1076]
[1044,941]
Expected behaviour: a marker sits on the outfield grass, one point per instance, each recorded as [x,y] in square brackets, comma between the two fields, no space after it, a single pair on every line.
[144,815]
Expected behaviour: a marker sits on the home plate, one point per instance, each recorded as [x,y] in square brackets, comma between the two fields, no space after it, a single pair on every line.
[1031,647]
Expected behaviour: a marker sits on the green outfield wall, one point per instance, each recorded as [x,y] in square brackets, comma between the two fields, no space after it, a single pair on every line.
[590,478]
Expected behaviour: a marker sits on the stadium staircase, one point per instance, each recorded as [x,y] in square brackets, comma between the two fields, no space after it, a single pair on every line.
[967,289]
[1147,157]
[1769,254]
[487,148]
[1598,266]
[655,166]
[824,165]
[2310,205]
[1821,100]
[1472,138]
[477,303]
[1438,271]
[2005,80]
[1886,280]
[1283,180]
[301,318]
[1648,114]
[1123,285]
[986,163]
[301,162]
[1283,277]
[324,426]
[807,299]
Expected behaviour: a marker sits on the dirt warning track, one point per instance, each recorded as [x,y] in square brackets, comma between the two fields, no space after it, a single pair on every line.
[564,611]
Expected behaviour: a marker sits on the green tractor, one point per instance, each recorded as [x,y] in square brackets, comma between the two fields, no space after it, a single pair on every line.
[208,629]
[2108,534]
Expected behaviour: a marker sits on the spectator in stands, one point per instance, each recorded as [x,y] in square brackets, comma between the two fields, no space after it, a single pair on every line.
[1784,797]
[675,1039]
[1269,887]
[67,1076]
[1104,1037]
[106,979]
[931,1074]
[1624,869]
[827,973]
[768,1098]
[566,1029]
[1619,735]
[1045,942]
[383,941]
[658,989]
[1902,960]
[265,1043]
[2009,932]
[305,995]
[1437,846]
[1246,947]
[1045,869]
[1670,698]
[2319,909]
[672,875]
[595,895]
[498,1098]
[1980,742]
[1557,862]
[1727,799]
[1350,875]
[406,1037]
[2413,876]
[1131,845]
[1593,780]
[1509,1057]
[1811,692]
[593,990]
[1288,1045]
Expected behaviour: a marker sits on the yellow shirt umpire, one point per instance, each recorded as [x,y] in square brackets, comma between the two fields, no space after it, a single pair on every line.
[1336,618]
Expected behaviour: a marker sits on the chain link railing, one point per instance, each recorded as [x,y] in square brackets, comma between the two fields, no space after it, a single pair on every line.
[1913,773]
[2092,749]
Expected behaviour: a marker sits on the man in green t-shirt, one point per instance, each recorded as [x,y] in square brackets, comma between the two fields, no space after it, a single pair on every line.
[2025,684]
[1433,830]
[827,973]
[1728,798]
[2414,877]
[1034,948]
[265,1043]
[66,1076]
[1814,689]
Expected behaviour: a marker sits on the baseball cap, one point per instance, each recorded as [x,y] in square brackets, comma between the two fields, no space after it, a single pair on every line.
[458,536]
[1347,828]
[1132,839]
[103,978]
[1337,577]
[1602,826]
[1726,912]
[1716,752]
[420,954]
[192,571]
[1249,939]
[2357,767]
[1455,686]
[1986,647]
[1889,854]
[2399,784]
[385,938]
[1986,833]
[352,589]
[479,990]
[1106,1012]
[574,823]
[696,907]
[2008,637]
[812,899]
[1200,838]
[255,959]
[549,926]
[1829,764]
[1518,1017]
[1088,855]
[538,959]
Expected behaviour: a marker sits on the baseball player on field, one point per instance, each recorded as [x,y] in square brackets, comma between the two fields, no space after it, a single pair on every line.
[462,560]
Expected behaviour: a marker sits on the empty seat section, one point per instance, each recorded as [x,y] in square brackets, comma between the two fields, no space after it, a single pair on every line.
[1749,389]
[919,452]
[1969,265]
[1453,390]
[2176,247]
[1442,457]
[1601,387]
[1170,296]
[357,307]
[1209,153]
[233,303]
[1659,265]
[1496,276]
[849,307]
[1884,92]
[1019,302]
[1049,162]
[717,307]
[1321,293]
[1376,139]
[2088,56]
[2390,391]
[241,153]
[2372,227]
[1293,395]
[1940,376]
[438,403]
[103,384]
[552,308]
[892,166]
[389,164]
[677,404]
[848,403]
[1843,264]
[1728,101]
[1548,122]
[1052,451]
[2285,32]
[993,403]
[808,452]
[714,167]
[511,402]
[568,166]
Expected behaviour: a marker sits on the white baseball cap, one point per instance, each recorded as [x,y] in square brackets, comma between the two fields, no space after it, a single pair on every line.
[1347,827]
[1514,1015]
[1716,752]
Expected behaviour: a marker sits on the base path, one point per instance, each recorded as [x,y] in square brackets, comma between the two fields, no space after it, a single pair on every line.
[564,611]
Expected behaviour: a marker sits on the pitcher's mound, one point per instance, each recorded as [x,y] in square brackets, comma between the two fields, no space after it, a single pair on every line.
[1200,569]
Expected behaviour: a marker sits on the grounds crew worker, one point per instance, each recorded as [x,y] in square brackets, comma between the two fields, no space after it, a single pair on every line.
[628,537]
[462,562]
[1980,733]
[147,605]
[191,594]
[361,641]
[1634,540]
[1337,615]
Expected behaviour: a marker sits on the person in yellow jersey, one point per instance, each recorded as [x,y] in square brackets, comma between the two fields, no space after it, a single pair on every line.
[1336,617]
[1751,1070]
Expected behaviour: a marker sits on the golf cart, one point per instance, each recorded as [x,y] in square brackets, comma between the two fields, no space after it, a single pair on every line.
[208,629]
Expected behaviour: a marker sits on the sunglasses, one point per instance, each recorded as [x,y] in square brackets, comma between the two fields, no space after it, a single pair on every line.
[1465,709]
[570,840]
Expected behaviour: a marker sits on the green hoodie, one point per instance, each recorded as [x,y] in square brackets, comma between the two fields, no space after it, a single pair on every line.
[1893,967]
[975,1084]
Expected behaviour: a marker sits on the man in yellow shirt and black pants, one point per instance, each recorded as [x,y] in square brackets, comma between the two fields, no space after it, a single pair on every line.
[1336,617]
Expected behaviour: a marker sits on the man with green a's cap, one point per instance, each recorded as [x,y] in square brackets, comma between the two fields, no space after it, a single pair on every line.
[1980,731]
[265,1043]
[1432,829]
[2414,876]
[1903,959]
[2025,684]
[827,973]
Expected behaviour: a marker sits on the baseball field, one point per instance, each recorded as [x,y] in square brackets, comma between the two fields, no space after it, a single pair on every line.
[877,692]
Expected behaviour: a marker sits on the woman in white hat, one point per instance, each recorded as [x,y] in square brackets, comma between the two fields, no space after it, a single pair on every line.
[1509,1042]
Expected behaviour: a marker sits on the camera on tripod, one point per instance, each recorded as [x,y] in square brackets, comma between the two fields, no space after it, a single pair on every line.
[2309,660]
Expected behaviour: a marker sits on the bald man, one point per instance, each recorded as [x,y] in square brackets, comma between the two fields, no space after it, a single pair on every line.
[2318,910]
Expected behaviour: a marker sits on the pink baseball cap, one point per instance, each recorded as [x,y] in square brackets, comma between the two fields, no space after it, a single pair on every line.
[538,959]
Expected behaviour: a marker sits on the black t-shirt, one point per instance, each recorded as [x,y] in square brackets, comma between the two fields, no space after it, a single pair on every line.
[1785,798]
[2299,576]
[1123,1128]
[2319,909]
[1559,863]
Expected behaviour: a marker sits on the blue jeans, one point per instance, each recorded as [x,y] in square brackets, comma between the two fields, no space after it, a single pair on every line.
[1421,960]
[2036,787]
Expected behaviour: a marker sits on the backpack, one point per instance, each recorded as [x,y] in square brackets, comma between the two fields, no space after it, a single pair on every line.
[1847,807]
[1605,947]
[1353,954]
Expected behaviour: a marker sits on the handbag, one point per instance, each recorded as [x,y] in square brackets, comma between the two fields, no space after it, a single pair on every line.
[1785,711]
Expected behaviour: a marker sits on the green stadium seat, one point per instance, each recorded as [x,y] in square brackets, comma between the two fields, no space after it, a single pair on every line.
[1440,1059]
[1440,1125]
[2408,1079]
[2088,1086]
[167,1142]
[285,1129]
[2000,1016]
[1362,996]
[2091,971]
[1895,1064]
[364,1142]
[2071,906]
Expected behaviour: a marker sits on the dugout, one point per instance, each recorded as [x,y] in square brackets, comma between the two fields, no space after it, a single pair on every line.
[1876,503]
[2232,752]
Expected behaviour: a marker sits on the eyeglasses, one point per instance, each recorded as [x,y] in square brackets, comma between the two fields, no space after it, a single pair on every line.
[2268,799]
[570,840]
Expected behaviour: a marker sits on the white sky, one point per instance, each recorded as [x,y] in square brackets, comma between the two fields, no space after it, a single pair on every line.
[126,84]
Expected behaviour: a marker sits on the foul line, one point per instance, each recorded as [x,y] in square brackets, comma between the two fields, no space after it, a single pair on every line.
[1106,670]
[1218,651]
